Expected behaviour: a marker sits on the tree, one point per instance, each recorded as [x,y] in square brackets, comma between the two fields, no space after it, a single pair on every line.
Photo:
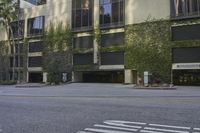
[8,13]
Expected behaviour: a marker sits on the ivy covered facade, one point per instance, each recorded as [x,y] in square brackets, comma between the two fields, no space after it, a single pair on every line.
[108,41]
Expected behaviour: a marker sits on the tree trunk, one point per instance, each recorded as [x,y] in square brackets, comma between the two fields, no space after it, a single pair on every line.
[13,44]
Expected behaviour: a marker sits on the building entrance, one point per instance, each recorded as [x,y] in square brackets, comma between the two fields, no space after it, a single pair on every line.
[35,77]
[103,77]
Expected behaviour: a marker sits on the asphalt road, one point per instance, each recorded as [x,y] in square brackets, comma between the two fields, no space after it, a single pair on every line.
[99,108]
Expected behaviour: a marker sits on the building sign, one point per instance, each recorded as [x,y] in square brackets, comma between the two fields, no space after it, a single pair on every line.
[182,66]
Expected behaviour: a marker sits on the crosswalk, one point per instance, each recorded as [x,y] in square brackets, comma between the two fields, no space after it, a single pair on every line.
[116,126]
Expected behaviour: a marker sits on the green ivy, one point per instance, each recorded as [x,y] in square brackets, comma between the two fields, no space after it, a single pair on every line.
[113,48]
[57,51]
[149,45]
[85,67]
[83,50]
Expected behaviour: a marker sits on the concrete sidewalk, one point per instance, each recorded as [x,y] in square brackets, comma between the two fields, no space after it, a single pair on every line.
[96,90]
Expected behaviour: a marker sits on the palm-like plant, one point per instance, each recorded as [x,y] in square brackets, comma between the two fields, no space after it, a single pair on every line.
[8,13]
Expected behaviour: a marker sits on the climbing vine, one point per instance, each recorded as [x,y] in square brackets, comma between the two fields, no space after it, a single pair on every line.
[149,45]
[57,52]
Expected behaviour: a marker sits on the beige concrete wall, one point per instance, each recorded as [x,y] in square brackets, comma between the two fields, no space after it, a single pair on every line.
[138,11]
[55,11]
[2,34]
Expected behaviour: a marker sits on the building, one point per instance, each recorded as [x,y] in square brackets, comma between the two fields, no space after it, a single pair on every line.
[109,34]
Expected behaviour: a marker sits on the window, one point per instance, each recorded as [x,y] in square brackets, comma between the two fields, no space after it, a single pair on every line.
[186,55]
[18,49]
[35,47]
[36,26]
[185,8]
[112,58]
[37,2]
[187,32]
[83,42]
[16,61]
[83,59]
[114,39]
[82,11]
[17,32]
[111,12]
[35,61]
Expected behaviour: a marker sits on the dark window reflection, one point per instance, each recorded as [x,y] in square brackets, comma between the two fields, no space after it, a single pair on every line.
[37,2]
[82,13]
[111,12]
[183,8]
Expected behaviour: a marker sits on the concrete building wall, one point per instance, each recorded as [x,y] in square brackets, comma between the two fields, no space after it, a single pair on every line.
[2,34]
[55,11]
[138,11]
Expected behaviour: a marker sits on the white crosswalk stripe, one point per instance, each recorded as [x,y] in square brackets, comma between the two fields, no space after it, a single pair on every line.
[112,127]
[165,130]
[116,126]
[198,129]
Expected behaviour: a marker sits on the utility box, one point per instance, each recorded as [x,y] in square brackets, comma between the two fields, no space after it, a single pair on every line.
[147,78]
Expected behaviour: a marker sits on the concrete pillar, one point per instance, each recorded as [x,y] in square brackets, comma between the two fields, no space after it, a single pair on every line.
[45,77]
[128,76]
[77,76]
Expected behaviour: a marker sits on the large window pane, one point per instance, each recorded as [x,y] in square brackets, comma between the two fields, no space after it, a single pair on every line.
[111,12]
[184,8]
[36,26]
[82,12]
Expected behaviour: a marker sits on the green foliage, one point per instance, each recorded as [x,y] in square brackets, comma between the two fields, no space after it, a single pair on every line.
[85,67]
[57,52]
[8,82]
[97,34]
[148,48]
[149,45]
[8,13]
[83,50]
[113,48]
[4,60]
[54,73]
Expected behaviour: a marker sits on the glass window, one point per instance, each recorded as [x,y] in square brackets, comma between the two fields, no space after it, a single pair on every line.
[36,26]
[111,12]
[36,2]
[82,11]
[182,8]
[35,47]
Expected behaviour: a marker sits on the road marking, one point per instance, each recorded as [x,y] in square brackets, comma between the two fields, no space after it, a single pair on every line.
[168,126]
[147,131]
[83,132]
[165,130]
[113,127]
[124,124]
[105,131]
[116,126]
